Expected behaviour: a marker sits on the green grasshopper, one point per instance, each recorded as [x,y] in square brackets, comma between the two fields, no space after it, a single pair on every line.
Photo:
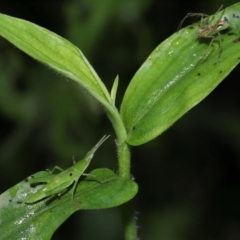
[59,183]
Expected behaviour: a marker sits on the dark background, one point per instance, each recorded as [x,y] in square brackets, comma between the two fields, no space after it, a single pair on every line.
[189,177]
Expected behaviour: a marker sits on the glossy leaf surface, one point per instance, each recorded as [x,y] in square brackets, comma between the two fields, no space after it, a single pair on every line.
[54,51]
[179,74]
[40,220]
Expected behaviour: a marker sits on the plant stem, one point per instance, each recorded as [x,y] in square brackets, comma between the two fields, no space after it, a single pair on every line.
[127,210]
[122,146]
[128,220]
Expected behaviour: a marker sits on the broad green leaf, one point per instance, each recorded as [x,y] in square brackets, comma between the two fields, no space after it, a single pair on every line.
[54,51]
[177,75]
[40,220]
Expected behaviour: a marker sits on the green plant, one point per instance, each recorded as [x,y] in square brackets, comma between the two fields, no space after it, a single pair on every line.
[169,83]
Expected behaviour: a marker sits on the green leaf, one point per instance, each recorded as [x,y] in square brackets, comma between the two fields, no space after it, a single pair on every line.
[177,75]
[114,90]
[40,220]
[54,51]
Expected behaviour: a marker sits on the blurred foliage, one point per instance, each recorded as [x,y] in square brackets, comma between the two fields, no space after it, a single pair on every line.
[189,177]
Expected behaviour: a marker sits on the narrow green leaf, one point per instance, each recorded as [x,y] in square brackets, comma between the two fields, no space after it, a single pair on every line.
[54,51]
[114,90]
[40,220]
[178,74]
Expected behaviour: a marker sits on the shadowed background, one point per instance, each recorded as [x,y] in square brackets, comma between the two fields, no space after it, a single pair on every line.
[189,177]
